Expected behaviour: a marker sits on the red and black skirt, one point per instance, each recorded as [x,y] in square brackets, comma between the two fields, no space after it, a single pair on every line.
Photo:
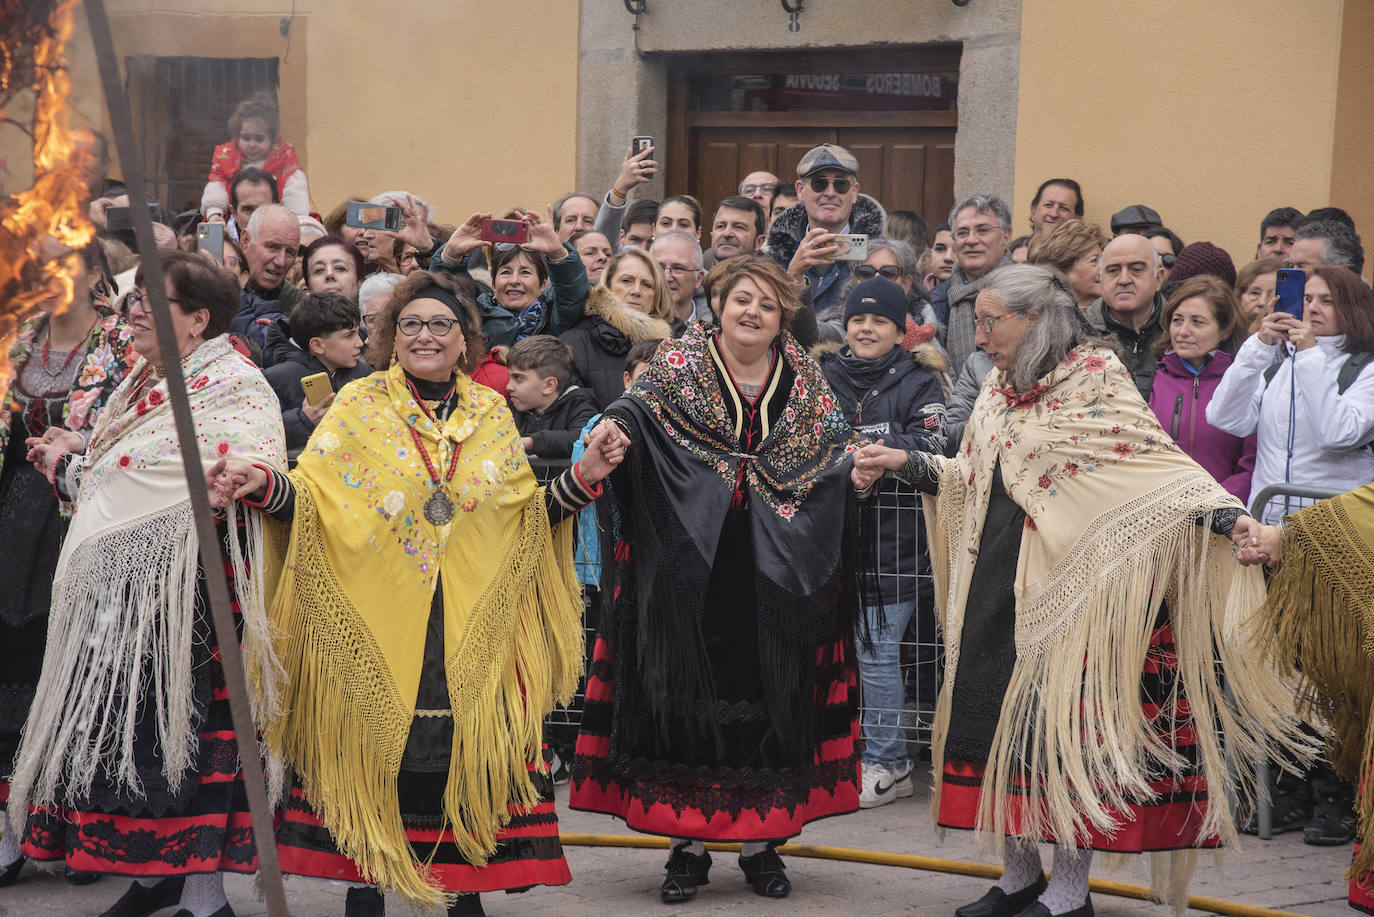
[1171,819]
[527,853]
[733,800]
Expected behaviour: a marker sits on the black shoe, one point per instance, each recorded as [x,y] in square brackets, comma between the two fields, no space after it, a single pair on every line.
[77,877]
[11,872]
[1286,816]
[468,906]
[997,903]
[1330,827]
[364,902]
[683,873]
[140,902]
[1039,910]
[225,911]
[558,770]
[765,872]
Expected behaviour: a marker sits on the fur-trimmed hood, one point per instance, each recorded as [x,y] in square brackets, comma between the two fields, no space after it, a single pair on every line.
[868,217]
[925,355]
[636,326]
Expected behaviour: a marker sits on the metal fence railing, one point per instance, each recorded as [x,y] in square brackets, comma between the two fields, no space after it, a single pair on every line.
[1270,505]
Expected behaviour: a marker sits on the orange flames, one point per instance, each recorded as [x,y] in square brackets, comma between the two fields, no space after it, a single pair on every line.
[40,227]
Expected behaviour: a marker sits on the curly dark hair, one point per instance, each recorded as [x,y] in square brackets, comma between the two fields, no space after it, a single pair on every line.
[381,342]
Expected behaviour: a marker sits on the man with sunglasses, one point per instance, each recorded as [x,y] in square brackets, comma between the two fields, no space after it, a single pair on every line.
[802,238]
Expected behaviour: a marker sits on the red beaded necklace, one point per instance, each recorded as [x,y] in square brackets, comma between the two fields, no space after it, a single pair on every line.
[47,343]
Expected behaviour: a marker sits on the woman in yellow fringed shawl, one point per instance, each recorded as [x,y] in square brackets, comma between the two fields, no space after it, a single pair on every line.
[1091,607]
[1320,613]
[429,618]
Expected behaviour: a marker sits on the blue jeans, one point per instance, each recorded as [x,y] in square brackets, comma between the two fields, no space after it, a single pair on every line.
[880,674]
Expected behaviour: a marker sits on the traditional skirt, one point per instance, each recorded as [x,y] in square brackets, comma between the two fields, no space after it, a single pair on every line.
[1170,820]
[739,804]
[528,851]
[205,829]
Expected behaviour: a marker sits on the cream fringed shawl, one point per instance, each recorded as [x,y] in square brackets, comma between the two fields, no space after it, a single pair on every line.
[1113,508]
[124,594]
[361,565]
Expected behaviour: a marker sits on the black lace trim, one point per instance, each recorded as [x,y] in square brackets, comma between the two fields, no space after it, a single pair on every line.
[105,841]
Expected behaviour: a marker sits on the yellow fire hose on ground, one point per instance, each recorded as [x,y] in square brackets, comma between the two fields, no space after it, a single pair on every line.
[930,864]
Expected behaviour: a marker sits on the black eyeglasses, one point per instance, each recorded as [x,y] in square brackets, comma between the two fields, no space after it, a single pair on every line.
[868,271]
[820,183]
[439,327]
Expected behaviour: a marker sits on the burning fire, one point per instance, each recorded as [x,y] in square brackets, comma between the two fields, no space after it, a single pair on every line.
[40,227]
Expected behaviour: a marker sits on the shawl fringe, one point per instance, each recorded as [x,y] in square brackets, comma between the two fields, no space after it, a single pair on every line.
[345,735]
[1319,624]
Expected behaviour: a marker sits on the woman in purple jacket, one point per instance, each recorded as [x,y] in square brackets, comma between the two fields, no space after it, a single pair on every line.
[1204,325]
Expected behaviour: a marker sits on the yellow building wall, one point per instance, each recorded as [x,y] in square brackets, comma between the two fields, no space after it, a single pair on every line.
[470,103]
[1353,141]
[1211,113]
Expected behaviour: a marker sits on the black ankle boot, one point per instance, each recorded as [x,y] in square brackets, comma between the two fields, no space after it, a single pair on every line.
[364,902]
[140,902]
[765,872]
[683,873]
[10,874]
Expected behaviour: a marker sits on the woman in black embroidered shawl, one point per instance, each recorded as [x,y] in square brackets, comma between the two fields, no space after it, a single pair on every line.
[721,701]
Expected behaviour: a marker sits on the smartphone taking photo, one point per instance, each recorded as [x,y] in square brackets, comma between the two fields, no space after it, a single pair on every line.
[210,239]
[375,216]
[516,232]
[1289,287]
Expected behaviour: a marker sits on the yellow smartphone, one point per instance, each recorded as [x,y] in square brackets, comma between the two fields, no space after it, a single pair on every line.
[316,388]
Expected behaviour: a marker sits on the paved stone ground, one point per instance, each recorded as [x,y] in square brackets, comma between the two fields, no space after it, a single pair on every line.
[1282,873]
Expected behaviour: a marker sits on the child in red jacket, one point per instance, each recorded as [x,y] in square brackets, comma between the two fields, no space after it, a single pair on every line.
[255,129]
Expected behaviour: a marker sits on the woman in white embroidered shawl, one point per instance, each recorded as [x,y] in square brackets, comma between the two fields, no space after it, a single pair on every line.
[128,754]
[1091,604]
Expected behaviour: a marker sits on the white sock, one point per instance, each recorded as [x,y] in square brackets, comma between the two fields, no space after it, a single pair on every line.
[1068,888]
[9,844]
[1022,867]
[203,895]
[752,848]
[149,881]
[695,848]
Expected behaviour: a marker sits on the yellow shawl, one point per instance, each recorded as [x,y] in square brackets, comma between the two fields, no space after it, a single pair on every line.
[1320,614]
[360,567]
[1112,511]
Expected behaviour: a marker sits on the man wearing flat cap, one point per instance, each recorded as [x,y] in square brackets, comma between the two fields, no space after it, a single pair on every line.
[1136,218]
[802,238]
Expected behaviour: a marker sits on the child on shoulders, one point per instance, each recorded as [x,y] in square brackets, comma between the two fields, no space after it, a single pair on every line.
[254,129]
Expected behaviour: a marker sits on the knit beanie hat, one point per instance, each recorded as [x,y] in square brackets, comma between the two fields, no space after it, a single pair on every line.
[879,296]
[1202,258]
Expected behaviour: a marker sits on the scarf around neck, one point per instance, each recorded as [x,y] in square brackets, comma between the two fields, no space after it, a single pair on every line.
[126,580]
[356,614]
[1116,523]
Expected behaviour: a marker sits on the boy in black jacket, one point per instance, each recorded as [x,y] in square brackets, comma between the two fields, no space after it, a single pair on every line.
[887,395]
[549,413]
[322,337]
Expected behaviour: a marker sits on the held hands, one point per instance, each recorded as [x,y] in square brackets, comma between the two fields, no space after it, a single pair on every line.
[1257,543]
[637,169]
[817,248]
[606,445]
[872,460]
[44,451]
[229,480]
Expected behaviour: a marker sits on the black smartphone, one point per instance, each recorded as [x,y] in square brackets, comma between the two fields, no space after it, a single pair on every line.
[375,216]
[210,238]
[640,144]
[1289,287]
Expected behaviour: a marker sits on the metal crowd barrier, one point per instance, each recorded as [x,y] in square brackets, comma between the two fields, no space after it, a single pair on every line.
[1269,506]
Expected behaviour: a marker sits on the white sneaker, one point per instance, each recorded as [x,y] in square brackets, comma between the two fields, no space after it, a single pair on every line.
[881,786]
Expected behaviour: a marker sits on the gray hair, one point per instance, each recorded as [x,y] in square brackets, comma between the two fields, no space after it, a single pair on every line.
[270,211]
[1342,248]
[684,237]
[1059,327]
[380,284]
[902,251]
[984,203]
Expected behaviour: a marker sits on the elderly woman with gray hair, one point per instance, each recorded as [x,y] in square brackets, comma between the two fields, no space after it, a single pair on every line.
[1091,603]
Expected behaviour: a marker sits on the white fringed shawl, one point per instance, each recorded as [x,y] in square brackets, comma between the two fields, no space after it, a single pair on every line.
[124,594]
[1116,522]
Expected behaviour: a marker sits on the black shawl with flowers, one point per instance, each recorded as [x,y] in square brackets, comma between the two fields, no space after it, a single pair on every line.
[696,482]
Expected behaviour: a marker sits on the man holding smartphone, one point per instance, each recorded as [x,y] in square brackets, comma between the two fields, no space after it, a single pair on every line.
[802,238]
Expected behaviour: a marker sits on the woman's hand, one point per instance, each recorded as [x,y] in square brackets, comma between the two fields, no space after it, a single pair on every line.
[61,437]
[543,235]
[1300,335]
[1256,543]
[817,247]
[44,457]
[416,231]
[872,460]
[1275,327]
[465,238]
[230,479]
[637,169]
[606,445]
